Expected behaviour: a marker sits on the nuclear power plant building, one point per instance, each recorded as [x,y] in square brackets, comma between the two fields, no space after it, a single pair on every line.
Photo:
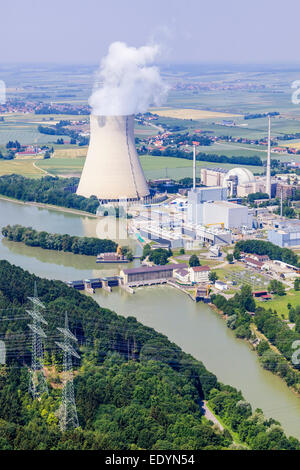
[209,206]
[213,176]
[112,170]
[240,182]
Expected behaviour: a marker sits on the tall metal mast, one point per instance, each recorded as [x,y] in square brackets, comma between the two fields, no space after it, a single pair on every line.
[38,383]
[68,412]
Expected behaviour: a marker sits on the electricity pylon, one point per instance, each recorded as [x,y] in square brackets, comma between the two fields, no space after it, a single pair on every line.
[68,413]
[37,382]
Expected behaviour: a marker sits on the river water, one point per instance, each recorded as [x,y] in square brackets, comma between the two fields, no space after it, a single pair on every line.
[196,328]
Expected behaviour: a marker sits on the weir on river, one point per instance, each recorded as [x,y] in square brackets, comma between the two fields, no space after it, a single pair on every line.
[195,327]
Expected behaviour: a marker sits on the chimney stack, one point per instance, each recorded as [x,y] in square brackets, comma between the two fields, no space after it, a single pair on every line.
[268,176]
[194,166]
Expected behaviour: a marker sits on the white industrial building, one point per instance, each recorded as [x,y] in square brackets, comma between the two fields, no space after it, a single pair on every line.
[209,206]
[286,235]
[197,197]
[227,214]
[220,285]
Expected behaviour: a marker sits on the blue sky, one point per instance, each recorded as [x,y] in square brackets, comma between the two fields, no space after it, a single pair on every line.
[192,31]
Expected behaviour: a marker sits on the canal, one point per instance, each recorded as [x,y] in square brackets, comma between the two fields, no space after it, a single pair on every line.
[196,328]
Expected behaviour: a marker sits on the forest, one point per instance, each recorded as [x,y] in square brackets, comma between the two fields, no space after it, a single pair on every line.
[134,389]
[55,241]
[47,190]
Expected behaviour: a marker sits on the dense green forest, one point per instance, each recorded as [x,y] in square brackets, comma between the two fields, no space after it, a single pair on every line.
[267,321]
[134,389]
[55,241]
[262,247]
[47,190]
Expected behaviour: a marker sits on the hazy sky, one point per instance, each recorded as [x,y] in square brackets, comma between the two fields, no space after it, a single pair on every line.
[190,30]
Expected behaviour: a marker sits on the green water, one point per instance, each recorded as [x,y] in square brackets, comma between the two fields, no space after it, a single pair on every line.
[196,328]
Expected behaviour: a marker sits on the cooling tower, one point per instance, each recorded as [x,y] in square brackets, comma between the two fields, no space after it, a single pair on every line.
[112,169]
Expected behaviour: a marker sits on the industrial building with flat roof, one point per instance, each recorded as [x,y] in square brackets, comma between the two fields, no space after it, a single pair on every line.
[198,196]
[213,176]
[228,214]
[286,235]
[144,275]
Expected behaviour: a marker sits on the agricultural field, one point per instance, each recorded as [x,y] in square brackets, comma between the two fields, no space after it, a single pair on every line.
[70,161]
[154,167]
[24,128]
[195,114]
[234,93]
[24,167]
[292,144]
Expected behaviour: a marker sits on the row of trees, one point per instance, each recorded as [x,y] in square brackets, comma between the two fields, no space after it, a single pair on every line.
[55,241]
[47,190]
[204,157]
[262,247]
[255,430]
[135,390]
[237,310]
[281,336]
[277,331]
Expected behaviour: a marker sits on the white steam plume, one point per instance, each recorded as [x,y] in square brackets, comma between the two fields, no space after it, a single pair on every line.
[128,82]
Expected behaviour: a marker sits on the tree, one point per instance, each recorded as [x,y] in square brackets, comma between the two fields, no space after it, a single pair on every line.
[229,258]
[237,253]
[297,283]
[276,287]
[194,261]
[159,256]
[213,276]
[146,251]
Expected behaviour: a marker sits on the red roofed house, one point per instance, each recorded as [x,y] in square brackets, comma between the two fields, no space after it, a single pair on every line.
[253,263]
[199,273]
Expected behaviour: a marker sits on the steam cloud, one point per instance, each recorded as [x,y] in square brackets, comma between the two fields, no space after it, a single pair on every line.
[128,82]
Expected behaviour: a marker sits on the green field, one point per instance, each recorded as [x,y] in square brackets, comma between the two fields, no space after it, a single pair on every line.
[154,167]
[279,303]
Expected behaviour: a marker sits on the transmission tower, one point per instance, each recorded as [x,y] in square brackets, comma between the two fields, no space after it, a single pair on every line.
[68,412]
[37,382]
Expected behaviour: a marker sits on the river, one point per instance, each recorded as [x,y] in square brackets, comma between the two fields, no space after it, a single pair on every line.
[196,328]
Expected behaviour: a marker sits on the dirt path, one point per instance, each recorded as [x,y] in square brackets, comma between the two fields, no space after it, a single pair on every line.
[210,416]
[41,169]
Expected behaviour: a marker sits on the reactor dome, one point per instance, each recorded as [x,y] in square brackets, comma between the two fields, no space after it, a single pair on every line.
[243,175]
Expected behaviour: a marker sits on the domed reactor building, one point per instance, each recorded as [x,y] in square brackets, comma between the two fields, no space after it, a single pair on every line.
[112,169]
[239,182]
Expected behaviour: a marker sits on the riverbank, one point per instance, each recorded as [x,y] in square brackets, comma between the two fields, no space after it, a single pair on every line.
[49,207]
[260,336]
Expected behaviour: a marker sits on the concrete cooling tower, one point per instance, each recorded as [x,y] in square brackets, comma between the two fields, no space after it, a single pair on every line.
[112,169]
